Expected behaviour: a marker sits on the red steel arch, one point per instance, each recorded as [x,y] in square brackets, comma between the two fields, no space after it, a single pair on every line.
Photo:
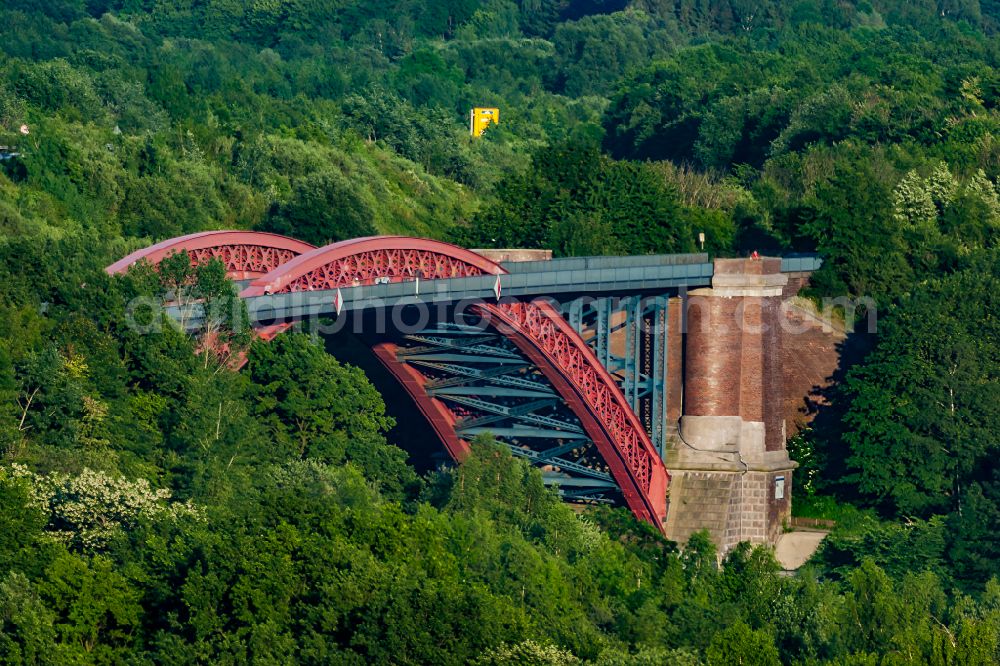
[540,332]
[536,328]
[364,260]
[246,254]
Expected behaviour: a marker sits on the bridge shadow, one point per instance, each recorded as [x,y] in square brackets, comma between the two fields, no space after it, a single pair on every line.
[412,432]
[827,405]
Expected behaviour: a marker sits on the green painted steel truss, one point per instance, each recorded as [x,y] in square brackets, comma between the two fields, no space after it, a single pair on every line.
[629,336]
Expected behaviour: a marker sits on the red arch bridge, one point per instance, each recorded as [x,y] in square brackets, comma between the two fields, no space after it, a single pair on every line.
[604,372]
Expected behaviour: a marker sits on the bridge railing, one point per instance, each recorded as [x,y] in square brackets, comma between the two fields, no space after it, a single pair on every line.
[804,263]
[604,262]
[634,279]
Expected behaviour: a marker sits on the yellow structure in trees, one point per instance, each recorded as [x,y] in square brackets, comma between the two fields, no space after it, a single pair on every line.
[482,117]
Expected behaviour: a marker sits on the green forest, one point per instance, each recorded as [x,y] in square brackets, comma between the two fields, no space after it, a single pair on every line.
[158,507]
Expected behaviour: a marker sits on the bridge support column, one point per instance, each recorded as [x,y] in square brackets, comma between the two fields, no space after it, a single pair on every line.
[731,473]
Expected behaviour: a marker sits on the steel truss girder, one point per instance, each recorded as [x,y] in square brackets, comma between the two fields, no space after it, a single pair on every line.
[455,357]
[245,254]
[496,375]
[480,349]
[641,372]
[538,330]
[520,432]
[576,489]
[553,478]
[369,260]
[550,347]
[492,391]
[590,495]
[441,341]
[522,413]
[556,451]
[565,465]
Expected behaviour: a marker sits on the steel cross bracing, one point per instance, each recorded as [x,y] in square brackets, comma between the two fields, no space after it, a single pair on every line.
[492,388]
[638,327]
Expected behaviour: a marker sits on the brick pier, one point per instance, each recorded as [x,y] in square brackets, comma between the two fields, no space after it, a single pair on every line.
[730,471]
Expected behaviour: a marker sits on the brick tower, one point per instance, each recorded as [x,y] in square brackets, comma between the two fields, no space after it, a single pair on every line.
[730,470]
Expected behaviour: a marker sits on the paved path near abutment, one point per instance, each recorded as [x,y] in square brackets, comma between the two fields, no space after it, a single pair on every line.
[795,548]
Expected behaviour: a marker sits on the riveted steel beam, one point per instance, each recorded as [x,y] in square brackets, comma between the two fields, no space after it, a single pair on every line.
[565,465]
[492,391]
[522,412]
[496,390]
[641,370]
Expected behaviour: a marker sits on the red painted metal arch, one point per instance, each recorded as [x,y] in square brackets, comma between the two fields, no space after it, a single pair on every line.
[246,254]
[364,260]
[538,329]
[540,332]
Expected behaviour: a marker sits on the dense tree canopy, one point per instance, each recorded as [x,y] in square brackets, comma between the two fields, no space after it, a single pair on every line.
[157,506]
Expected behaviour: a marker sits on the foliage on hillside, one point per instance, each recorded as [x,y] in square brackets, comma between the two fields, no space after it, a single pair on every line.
[157,507]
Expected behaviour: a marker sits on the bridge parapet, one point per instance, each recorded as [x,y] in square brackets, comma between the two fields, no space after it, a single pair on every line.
[799,270]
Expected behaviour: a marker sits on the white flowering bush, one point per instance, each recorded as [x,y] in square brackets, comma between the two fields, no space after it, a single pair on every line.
[87,510]
[921,205]
[527,653]
[591,536]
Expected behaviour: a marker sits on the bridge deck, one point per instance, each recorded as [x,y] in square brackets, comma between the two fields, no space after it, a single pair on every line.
[572,275]
[590,275]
